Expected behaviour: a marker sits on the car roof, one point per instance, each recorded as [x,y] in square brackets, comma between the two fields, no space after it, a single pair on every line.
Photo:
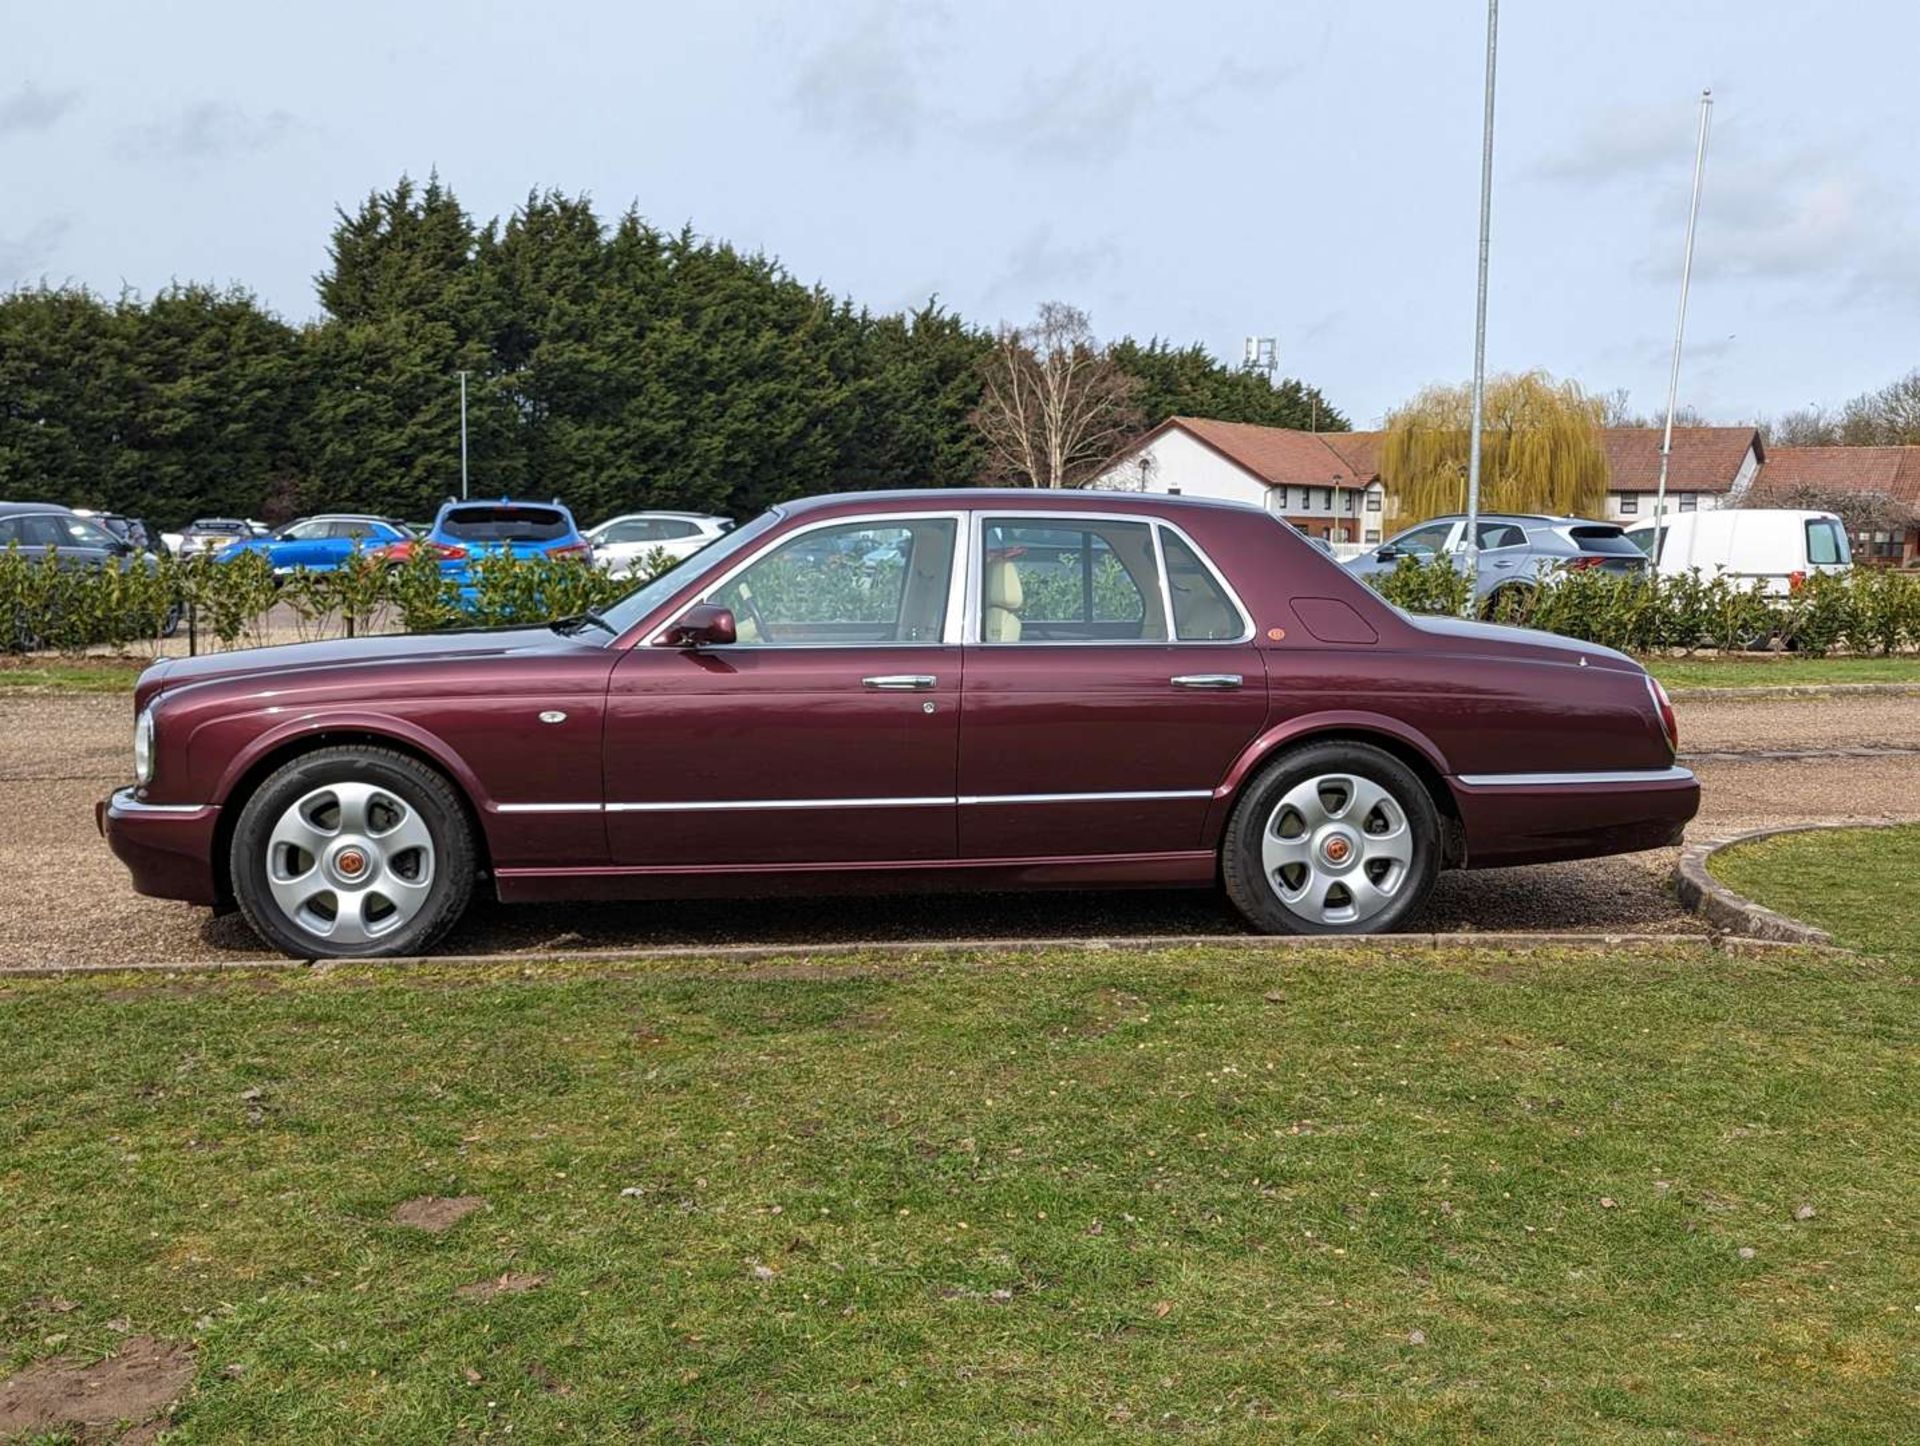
[973,499]
[22,509]
[1549,517]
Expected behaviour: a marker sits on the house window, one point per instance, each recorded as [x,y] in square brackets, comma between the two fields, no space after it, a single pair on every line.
[1688,501]
[1373,502]
[1629,503]
[1326,498]
[1373,534]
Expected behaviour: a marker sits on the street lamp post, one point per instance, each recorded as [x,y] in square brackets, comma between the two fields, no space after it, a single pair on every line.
[463,436]
[1680,332]
[1480,319]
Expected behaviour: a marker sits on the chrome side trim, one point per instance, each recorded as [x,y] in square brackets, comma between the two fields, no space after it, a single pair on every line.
[757,804]
[1147,796]
[1576,780]
[123,801]
[743,805]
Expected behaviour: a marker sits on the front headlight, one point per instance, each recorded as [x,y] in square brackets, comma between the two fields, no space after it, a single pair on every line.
[143,748]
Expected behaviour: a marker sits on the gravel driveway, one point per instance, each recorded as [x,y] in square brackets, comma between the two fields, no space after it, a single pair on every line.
[67,900]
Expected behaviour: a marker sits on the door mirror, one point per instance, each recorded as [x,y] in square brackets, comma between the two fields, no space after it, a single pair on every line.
[1387,553]
[702,625]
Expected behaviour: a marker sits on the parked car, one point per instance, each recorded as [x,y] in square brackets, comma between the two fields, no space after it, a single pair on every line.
[1171,692]
[318,544]
[1778,547]
[210,534]
[464,532]
[127,529]
[1517,550]
[75,542]
[620,542]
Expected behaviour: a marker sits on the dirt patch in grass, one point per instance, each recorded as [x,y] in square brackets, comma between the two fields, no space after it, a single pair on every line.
[63,1395]
[512,1283]
[436,1213]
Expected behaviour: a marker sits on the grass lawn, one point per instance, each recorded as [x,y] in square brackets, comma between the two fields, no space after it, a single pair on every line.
[1764,670]
[1527,1197]
[72,675]
[1857,884]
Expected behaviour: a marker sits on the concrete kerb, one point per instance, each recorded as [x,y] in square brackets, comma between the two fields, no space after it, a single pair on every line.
[1760,692]
[728,954]
[1701,893]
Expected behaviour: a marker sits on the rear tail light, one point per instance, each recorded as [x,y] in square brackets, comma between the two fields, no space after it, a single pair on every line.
[1663,705]
[1796,581]
[580,551]
[1581,564]
[403,551]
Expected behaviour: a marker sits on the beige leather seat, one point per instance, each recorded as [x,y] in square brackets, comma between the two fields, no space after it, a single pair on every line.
[1202,617]
[1002,600]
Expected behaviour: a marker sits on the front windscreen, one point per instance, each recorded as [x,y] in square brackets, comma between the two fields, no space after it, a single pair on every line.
[644,599]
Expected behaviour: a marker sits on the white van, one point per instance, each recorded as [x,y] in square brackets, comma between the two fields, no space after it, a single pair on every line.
[1778,546]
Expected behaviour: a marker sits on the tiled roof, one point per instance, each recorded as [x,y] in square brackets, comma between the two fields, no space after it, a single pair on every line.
[1705,459]
[1892,471]
[1278,456]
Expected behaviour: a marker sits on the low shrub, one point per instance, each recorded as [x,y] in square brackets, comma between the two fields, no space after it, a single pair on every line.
[1866,610]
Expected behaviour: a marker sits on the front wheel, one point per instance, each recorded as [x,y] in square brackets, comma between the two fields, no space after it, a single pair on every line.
[353,853]
[1332,838]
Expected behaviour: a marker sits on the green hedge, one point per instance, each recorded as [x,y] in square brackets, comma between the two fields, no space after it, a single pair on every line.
[44,606]
[1864,610]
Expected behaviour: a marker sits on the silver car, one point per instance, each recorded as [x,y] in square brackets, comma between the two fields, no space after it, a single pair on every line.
[1517,551]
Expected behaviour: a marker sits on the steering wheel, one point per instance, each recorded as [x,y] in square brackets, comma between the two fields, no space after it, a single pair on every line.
[753,612]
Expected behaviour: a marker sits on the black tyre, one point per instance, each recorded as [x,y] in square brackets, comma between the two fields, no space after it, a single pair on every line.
[353,853]
[1332,838]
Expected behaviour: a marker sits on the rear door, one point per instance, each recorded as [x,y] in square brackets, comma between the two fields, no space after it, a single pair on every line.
[1111,682]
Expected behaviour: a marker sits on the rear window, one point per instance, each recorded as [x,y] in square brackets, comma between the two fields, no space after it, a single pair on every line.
[1826,543]
[1611,541]
[505,524]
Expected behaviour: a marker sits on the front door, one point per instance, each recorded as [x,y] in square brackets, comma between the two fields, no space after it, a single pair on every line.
[1111,683]
[826,735]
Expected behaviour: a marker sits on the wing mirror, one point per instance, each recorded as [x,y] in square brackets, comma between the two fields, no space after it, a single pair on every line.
[1387,553]
[702,625]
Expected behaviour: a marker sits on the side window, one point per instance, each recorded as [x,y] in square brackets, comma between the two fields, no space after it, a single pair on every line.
[1424,541]
[1500,534]
[1202,611]
[1069,582]
[42,531]
[671,527]
[854,584]
[9,531]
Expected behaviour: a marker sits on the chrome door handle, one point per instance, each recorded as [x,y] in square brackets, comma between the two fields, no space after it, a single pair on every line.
[1206,680]
[900,682]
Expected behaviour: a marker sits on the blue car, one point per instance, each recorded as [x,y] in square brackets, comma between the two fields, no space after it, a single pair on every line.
[318,544]
[464,532]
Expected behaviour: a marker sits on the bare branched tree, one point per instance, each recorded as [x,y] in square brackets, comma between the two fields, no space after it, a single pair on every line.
[1863,512]
[1054,409]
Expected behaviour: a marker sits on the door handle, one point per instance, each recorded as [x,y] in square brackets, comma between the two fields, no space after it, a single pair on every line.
[1206,680]
[900,682]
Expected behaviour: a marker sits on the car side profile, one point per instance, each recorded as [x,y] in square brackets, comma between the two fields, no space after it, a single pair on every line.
[74,540]
[620,543]
[318,544]
[902,691]
[1776,547]
[1518,551]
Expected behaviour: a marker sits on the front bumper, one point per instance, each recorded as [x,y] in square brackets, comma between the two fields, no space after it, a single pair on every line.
[168,848]
[1546,818]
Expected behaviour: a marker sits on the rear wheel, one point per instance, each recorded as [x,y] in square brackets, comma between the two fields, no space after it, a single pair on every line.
[353,852]
[1332,838]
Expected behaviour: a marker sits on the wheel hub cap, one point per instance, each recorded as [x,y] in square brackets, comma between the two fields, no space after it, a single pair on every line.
[1338,849]
[350,862]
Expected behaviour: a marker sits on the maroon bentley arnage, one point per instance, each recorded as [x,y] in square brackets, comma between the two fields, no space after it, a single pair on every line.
[915,691]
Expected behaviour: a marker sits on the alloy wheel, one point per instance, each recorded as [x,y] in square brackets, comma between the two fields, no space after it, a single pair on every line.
[350,863]
[1337,849]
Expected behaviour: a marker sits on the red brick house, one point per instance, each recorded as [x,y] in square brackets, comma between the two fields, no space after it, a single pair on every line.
[1886,479]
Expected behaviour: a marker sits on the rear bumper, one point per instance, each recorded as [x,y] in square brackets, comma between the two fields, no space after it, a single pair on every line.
[1537,818]
[167,848]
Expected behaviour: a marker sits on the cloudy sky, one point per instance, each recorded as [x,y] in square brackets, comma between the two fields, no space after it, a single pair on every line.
[1199,171]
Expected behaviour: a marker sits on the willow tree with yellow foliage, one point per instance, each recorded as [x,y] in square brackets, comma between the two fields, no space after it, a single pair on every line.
[1540,450]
